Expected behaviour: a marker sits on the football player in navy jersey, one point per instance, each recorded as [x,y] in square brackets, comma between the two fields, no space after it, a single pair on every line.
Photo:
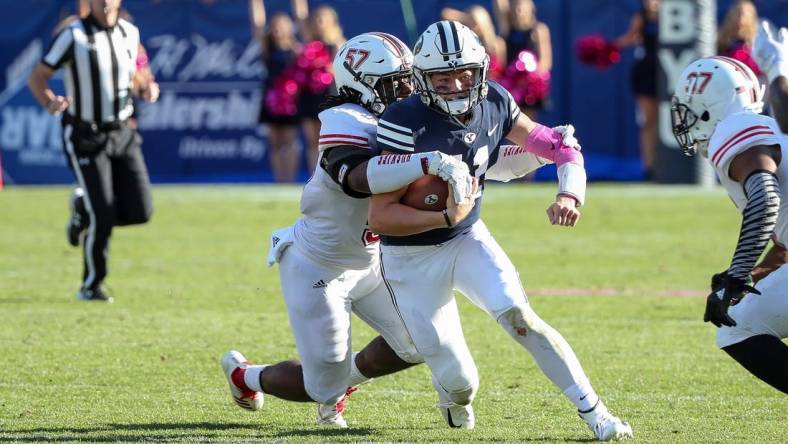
[328,260]
[428,254]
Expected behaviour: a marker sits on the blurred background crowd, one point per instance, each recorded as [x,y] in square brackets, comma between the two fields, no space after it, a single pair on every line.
[242,80]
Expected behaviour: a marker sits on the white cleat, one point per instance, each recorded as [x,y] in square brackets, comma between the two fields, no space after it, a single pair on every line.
[234,365]
[331,415]
[458,416]
[605,426]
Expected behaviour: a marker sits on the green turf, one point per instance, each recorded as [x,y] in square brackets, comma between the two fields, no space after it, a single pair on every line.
[193,284]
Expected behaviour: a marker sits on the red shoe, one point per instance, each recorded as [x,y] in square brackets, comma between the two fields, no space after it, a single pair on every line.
[234,365]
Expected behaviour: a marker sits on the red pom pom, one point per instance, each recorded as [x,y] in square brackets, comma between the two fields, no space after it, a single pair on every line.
[742,53]
[308,72]
[525,82]
[594,50]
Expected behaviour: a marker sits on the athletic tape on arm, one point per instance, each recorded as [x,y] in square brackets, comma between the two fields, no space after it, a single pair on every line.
[391,172]
[547,143]
[572,181]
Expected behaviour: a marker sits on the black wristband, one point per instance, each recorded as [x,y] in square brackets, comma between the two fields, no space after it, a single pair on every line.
[446,216]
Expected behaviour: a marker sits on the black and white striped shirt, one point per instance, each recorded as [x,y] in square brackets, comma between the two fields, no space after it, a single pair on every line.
[99,63]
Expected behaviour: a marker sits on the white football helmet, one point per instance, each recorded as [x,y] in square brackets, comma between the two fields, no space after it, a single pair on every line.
[372,66]
[444,47]
[709,90]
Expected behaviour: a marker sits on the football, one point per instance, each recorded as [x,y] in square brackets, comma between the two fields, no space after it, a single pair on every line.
[427,193]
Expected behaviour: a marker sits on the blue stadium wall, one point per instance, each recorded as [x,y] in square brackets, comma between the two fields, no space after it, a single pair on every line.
[204,128]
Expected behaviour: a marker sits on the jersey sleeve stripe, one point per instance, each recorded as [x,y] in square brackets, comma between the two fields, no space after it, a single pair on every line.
[383,143]
[385,138]
[732,138]
[329,143]
[721,153]
[344,136]
[343,140]
[400,129]
[397,137]
[738,142]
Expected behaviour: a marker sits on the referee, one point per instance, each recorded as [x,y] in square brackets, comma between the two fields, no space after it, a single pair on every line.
[98,54]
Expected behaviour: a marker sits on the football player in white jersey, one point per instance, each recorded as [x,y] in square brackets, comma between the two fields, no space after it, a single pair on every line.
[426,256]
[328,261]
[716,112]
[770,50]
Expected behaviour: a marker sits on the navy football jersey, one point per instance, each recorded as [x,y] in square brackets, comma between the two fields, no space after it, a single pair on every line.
[410,126]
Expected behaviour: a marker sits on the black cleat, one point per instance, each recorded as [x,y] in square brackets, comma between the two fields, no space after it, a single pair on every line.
[76,223]
[94,294]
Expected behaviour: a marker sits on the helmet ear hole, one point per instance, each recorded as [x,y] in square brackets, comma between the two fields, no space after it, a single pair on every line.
[705,116]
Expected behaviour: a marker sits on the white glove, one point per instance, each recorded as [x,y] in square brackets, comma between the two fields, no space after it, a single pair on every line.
[770,50]
[452,170]
[567,132]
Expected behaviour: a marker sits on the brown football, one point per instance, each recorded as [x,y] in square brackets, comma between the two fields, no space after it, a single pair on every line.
[427,193]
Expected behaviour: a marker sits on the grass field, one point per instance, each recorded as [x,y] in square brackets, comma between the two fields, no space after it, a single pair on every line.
[625,288]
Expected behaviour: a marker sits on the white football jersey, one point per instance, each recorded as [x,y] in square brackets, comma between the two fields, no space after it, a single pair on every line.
[333,226]
[733,135]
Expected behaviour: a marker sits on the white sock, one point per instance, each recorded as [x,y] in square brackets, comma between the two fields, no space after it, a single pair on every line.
[252,377]
[583,396]
[356,377]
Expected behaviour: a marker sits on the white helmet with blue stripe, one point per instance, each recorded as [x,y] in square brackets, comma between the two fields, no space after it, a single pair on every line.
[448,46]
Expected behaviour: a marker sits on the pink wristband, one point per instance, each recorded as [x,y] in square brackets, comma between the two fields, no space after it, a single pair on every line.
[142,60]
[546,143]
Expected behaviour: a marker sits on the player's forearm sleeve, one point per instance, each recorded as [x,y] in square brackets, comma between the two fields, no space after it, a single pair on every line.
[758,220]
[572,181]
[391,172]
[514,162]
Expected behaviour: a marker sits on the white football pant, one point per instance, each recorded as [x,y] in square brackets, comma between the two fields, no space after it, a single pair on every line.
[319,302]
[763,314]
[422,279]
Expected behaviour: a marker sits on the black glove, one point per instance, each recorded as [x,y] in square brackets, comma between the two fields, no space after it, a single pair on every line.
[726,291]
[718,280]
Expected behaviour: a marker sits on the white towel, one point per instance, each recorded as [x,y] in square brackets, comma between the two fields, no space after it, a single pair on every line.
[280,240]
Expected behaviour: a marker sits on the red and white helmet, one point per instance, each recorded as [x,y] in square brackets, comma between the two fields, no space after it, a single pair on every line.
[709,90]
[372,66]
